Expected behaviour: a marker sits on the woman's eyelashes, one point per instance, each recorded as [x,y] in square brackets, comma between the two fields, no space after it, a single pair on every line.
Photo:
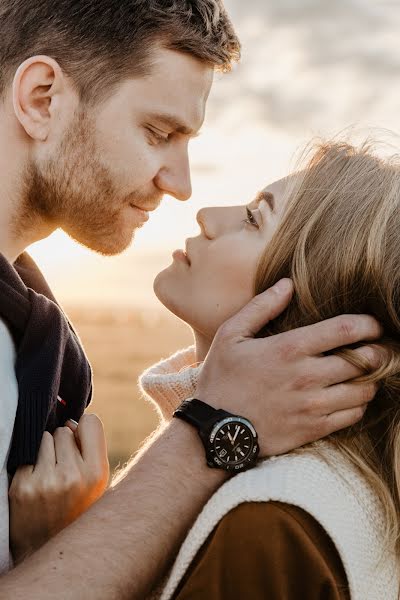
[251,220]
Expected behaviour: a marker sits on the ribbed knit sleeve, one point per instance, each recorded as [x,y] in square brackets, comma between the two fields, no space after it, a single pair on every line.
[171,381]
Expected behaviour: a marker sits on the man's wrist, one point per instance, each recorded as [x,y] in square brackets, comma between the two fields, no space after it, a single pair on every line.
[191,455]
[230,441]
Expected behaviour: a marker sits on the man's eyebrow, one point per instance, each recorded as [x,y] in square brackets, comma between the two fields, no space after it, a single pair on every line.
[173,123]
[268,197]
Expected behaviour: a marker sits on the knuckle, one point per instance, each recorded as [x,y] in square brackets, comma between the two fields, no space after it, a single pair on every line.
[372,326]
[89,418]
[359,413]
[373,356]
[287,349]
[46,436]
[13,491]
[70,481]
[48,487]
[304,382]
[346,328]
[63,432]
[327,426]
[97,478]
[258,302]
[354,416]
[21,491]
[311,405]
[98,475]
[224,331]
[317,430]
[367,392]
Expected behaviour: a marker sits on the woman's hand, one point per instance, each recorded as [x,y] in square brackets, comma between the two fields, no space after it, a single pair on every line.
[71,473]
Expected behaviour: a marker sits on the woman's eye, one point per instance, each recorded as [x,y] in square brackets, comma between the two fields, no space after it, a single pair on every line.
[250,219]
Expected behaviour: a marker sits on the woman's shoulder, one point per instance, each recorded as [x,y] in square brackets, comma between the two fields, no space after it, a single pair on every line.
[248,545]
[318,471]
[318,485]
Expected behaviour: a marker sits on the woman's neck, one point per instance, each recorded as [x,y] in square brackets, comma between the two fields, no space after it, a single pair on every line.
[202,346]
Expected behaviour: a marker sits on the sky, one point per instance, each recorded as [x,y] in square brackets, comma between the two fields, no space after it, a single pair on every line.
[309,68]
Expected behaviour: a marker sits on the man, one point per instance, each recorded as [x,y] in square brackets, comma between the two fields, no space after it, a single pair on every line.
[99,100]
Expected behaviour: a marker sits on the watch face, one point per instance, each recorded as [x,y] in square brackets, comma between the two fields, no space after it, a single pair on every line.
[233,443]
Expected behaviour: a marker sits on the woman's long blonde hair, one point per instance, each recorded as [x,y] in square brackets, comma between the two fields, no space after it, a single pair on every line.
[339,241]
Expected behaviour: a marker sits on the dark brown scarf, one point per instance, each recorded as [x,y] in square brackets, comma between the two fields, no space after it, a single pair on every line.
[54,376]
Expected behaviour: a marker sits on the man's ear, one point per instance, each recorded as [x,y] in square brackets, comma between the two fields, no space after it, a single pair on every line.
[36,88]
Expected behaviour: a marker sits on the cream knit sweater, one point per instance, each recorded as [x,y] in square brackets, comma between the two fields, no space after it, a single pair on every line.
[321,482]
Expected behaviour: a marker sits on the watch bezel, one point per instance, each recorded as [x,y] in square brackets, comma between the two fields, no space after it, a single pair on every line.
[214,461]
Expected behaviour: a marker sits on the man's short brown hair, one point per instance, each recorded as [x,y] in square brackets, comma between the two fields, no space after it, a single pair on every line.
[98,43]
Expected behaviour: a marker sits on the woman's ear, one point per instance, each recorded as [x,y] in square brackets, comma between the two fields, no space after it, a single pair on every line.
[36,90]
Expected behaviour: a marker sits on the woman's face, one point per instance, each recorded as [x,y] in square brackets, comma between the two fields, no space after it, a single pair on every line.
[214,278]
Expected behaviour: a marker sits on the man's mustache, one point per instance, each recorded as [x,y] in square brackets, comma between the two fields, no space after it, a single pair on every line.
[147,202]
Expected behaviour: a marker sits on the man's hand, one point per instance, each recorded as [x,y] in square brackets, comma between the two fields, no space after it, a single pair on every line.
[291,392]
[70,474]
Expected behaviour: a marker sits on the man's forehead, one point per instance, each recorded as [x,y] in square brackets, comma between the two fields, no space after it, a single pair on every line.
[176,95]
[182,85]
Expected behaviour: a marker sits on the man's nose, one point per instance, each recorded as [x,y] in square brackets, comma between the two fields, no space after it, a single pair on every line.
[174,179]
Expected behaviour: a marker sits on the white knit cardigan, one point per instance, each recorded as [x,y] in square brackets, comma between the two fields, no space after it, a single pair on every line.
[320,481]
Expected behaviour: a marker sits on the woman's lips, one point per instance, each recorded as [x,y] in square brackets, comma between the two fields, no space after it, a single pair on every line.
[182,256]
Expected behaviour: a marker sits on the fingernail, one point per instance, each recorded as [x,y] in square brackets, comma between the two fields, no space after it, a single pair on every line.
[283,286]
[73,423]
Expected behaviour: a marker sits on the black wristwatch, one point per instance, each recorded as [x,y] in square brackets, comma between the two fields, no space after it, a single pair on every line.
[230,441]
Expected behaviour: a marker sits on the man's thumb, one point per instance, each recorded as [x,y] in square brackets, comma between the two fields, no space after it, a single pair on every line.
[262,309]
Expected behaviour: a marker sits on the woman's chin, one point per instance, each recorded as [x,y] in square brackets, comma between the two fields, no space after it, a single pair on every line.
[179,298]
[159,287]
[167,294]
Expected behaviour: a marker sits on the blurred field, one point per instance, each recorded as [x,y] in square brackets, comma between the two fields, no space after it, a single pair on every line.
[120,345]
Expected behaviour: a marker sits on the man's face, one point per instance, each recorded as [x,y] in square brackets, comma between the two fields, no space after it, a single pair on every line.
[116,161]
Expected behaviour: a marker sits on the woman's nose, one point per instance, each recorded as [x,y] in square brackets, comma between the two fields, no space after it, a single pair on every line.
[217,220]
[205,221]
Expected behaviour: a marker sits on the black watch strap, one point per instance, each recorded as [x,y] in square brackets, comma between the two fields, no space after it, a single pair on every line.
[198,413]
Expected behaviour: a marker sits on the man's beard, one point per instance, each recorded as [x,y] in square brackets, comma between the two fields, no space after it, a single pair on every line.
[74,191]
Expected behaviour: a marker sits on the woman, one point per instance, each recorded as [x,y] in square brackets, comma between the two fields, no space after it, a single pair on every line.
[322,522]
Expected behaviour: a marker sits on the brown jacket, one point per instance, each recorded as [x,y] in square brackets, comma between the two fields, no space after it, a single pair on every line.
[266,551]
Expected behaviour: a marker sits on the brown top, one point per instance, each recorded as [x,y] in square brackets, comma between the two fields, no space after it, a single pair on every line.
[266,551]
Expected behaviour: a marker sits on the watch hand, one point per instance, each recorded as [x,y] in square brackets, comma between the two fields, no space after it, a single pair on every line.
[232,441]
[235,436]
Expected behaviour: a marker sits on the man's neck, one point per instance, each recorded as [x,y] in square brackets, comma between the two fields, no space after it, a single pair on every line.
[17,228]
[11,246]
[15,239]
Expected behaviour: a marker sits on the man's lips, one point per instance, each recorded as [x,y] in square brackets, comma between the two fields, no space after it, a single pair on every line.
[142,214]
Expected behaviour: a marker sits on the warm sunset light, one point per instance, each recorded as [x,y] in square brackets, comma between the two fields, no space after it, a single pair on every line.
[204,405]
[294,82]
